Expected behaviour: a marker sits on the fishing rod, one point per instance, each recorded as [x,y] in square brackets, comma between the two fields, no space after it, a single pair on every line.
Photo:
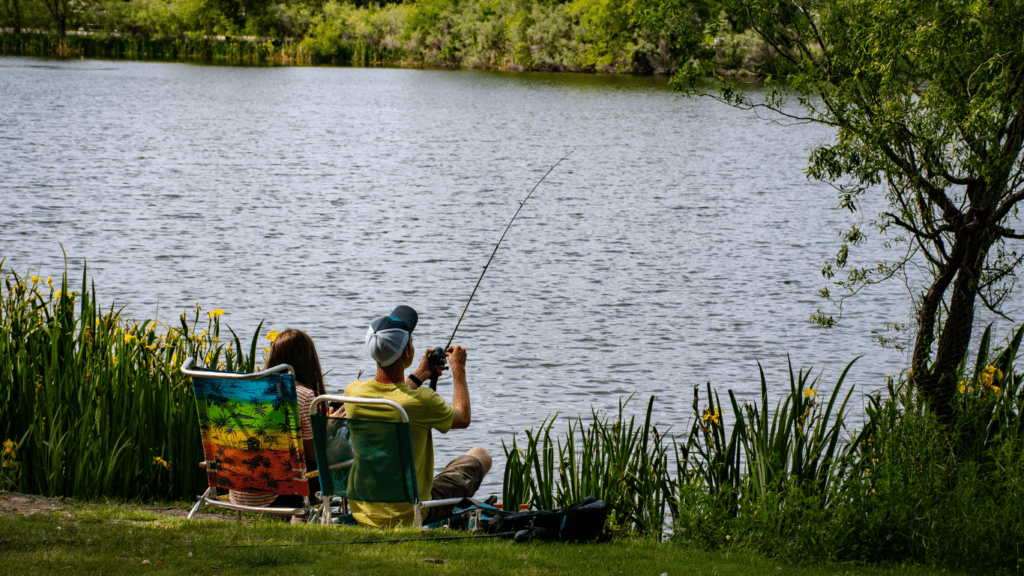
[438,356]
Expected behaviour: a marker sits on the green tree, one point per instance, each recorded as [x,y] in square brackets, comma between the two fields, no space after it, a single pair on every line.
[60,11]
[11,13]
[925,100]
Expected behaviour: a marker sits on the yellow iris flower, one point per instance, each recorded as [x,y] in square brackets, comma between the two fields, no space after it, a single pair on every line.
[991,373]
[712,415]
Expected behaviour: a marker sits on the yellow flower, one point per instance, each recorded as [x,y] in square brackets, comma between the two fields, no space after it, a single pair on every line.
[272,335]
[963,387]
[203,335]
[158,461]
[215,313]
[35,279]
[810,393]
[57,294]
[174,359]
[989,373]
[711,415]
[9,447]
[209,357]
[130,338]
[997,391]
[49,280]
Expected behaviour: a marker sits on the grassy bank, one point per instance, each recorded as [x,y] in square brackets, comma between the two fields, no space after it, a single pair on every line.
[123,539]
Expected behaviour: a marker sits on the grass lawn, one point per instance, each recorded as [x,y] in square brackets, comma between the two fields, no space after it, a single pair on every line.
[93,538]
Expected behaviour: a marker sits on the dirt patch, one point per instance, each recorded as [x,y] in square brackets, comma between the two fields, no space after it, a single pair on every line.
[13,504]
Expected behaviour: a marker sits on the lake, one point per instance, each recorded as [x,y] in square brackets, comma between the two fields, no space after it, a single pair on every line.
[680,243]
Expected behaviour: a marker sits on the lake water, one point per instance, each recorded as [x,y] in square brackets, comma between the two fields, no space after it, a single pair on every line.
[679,244]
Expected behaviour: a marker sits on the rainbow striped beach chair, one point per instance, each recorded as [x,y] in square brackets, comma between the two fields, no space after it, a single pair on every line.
[252,436]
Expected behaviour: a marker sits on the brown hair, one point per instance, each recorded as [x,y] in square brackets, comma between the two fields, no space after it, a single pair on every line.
[296,349]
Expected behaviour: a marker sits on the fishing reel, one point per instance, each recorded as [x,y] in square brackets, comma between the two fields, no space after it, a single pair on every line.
[436,359]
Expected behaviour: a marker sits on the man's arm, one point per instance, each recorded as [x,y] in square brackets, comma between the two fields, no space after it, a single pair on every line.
[463,415]
[460,394]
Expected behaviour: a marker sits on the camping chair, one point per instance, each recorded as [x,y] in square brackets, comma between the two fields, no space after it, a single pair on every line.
[252,435]
[366,460]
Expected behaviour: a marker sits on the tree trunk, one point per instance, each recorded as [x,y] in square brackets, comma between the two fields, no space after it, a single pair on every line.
[16,20]
[938,384]
[59,13]
[927,315]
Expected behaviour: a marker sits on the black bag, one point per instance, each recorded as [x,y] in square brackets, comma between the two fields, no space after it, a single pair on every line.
[580,522]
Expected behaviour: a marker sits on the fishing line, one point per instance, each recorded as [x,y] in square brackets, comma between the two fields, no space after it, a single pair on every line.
[395,540]
[438,355]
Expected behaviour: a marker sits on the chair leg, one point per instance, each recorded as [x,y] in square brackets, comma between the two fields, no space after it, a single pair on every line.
[417,515]
[200,503]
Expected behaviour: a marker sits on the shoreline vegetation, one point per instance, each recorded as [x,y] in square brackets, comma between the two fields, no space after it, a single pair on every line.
[589,36]
[93,406]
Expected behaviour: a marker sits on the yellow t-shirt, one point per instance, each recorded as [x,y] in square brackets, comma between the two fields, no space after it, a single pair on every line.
[426,410]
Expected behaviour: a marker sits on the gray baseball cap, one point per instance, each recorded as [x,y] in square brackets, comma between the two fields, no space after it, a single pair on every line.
[389,335]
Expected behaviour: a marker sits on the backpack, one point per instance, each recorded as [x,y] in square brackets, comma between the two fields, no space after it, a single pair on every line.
[580,522]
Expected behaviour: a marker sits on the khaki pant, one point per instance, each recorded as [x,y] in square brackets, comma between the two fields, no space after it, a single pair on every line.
[461,478]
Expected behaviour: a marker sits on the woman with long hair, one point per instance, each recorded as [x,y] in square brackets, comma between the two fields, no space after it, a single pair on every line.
[296,349]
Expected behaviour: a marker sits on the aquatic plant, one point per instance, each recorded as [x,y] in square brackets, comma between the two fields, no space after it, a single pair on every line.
[616,460]
[93,404]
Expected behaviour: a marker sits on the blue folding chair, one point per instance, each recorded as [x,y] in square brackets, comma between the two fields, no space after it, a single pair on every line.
[366,460]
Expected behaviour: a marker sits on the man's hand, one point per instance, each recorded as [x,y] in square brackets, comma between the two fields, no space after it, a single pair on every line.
[457,358]
[424,372]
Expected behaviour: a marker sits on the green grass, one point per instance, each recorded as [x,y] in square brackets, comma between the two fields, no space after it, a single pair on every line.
[84,538]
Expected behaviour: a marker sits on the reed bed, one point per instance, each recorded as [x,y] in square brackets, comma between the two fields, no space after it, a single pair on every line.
[184,48]
[793,480]
[629,466]
[92,404]
[617,460]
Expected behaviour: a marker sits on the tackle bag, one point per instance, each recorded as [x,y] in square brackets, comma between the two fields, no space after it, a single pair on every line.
[580,522]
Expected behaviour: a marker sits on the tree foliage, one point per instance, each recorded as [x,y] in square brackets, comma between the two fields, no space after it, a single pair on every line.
[925,100]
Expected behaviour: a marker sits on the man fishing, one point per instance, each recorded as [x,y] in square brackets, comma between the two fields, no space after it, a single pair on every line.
[389,341]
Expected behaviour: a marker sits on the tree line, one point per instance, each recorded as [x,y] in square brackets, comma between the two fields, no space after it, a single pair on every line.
[624,36]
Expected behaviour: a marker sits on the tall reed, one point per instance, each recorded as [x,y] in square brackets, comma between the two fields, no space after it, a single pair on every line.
[619,461]
[93,404]
[718,469]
